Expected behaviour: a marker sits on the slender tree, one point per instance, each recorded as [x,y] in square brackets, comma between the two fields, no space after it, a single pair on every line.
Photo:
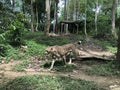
[118,50]
[36,19]
[32,17]
[75,11]
[47,24]
[68,14]
[13,5]
[96,15]
[85,25]
[65,16]
[23,8]
[68,10]
[55,15]
[65,9]
[113,16]
[78,9]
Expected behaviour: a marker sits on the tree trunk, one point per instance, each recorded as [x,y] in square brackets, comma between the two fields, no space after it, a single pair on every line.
[36,19]
[65,10]
[78,9]
[75,11]
[85,24]
[23,8]
[118,50]
[32,17]
[96,15]
[13,5]
[68,9]
[113,17]
[68,12]
[55,16]
[65,17]
[47,25]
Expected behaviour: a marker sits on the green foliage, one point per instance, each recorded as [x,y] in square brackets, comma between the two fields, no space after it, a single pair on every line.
[35,49]
[8,52]
[2,50]
[3,36]
[13,32]
[112,49]
[109,45]
[108,69]
[46,82]
[15,36]
[18,53]
[40,38]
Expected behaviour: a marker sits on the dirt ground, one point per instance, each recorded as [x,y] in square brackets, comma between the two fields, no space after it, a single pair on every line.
[6,73]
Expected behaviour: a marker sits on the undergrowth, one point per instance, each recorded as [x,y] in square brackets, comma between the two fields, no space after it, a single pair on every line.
[40,38]
[106,69]
[60,67]
[8,52]
[17,53]
[36,43]
[34,49]
[106,45]
[46,82]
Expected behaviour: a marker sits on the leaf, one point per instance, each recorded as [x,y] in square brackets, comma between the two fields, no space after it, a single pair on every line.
[2,36]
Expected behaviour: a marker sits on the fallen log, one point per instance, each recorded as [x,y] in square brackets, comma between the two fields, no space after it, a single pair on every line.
[104,55]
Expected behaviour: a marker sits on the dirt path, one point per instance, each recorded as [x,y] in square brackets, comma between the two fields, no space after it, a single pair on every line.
[6,72]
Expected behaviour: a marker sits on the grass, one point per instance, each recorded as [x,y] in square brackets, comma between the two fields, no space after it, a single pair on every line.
[64,69]
[106,69]
[9,53]
[17,53]
[112,49]
[40,38]
[35,49]
[107,45]
[36,43]
[47,82]
[21,66]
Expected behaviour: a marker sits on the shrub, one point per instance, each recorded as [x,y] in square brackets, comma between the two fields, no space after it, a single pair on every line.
[16,32]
